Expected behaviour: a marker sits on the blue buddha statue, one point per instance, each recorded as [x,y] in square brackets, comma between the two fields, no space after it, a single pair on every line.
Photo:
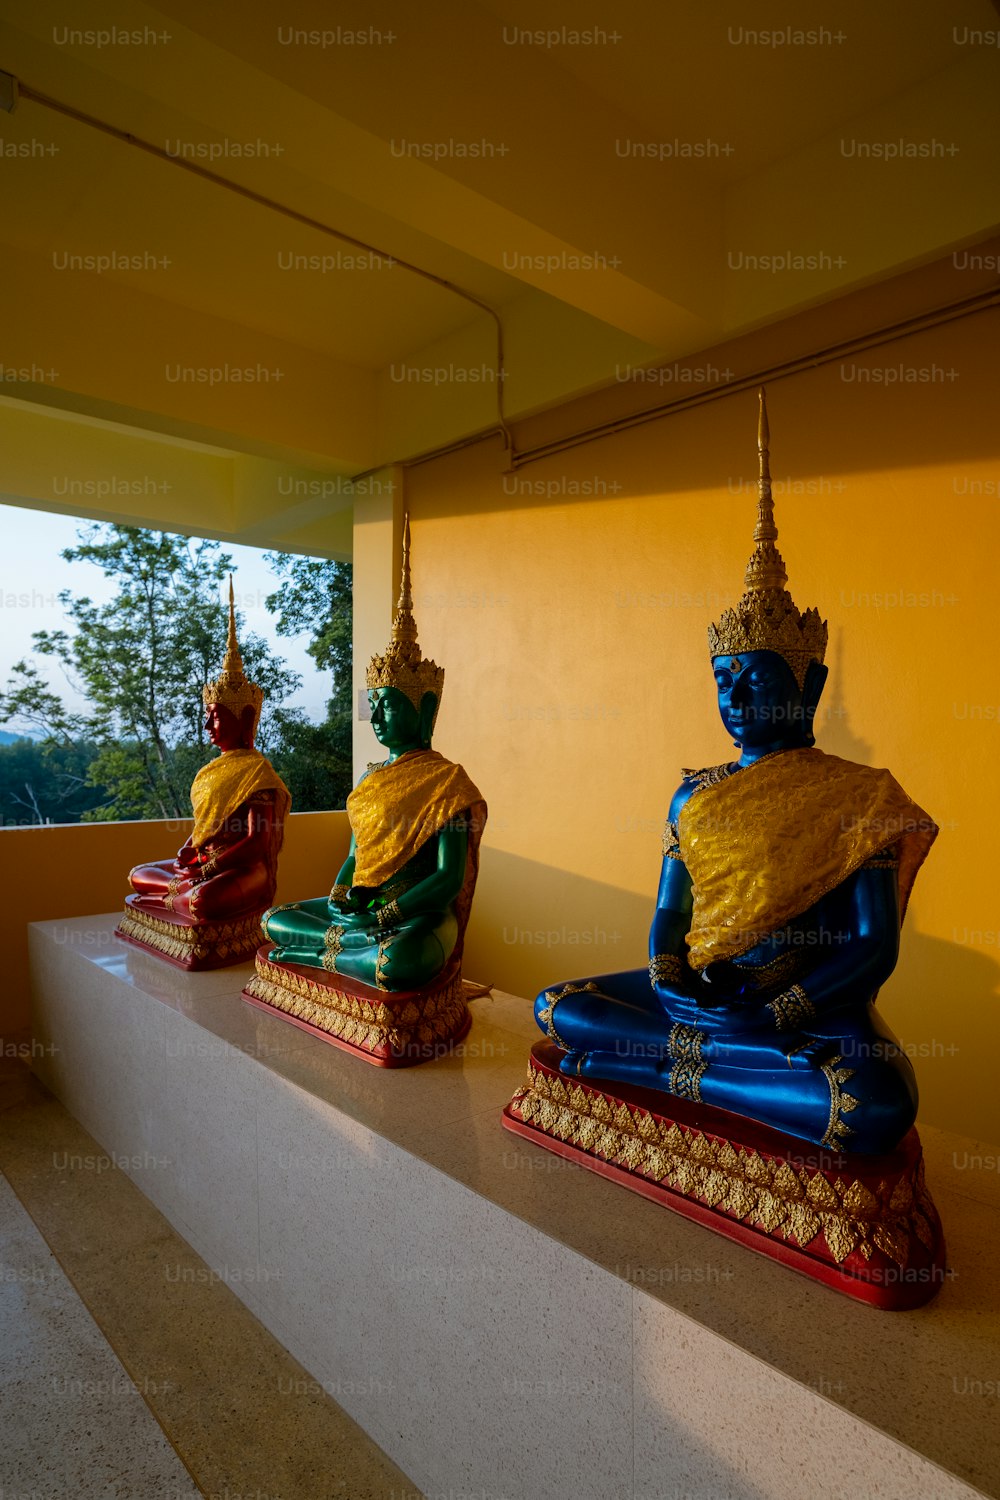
[784,882]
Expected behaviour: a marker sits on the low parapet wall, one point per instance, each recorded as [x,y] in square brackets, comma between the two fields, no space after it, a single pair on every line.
[503,1323]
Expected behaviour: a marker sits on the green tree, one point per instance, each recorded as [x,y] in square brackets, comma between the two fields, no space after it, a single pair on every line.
[141,661]
[315,595]
[46,783]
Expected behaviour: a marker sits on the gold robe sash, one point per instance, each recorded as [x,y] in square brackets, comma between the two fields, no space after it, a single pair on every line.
[396,808]
[221,788]
[763,845]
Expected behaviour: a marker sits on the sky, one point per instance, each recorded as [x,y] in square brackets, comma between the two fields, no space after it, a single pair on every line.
[32,575]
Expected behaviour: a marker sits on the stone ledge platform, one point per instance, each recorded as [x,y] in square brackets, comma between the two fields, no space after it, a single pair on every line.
[499,1320]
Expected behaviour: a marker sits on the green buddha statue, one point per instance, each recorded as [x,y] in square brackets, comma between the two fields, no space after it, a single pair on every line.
[395,918]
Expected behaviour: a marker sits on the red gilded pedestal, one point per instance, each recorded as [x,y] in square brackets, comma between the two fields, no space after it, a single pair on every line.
[864,1225]
[391,1029]
[190,945]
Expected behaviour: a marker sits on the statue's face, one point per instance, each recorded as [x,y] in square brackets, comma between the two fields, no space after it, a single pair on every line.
[224,729]
[394,719]
[759,700]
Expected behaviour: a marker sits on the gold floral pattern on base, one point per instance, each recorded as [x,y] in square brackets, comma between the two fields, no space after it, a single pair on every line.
[372,1026]
[233,941]
[765,1193]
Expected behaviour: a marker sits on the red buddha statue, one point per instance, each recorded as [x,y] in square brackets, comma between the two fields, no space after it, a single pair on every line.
[202,909]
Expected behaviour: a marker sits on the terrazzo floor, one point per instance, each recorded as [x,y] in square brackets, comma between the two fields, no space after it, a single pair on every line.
[126,1369]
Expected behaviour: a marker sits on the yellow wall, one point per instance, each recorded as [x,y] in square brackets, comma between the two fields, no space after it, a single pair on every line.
[572,626]
[569,602]
[72,869]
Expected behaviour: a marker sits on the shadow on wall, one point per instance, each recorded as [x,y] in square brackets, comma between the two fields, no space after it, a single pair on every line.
[534,926]
[838,738]
[941,1002]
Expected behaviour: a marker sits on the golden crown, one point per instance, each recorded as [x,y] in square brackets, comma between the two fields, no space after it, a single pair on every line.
[231,689]
[766,618]
[401,665]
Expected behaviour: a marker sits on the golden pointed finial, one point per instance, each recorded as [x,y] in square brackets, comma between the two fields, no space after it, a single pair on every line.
[233,661]
[401,665]
[766,568]
[404,627]
[231,689]
[766,618]
[763,438]
[765,531]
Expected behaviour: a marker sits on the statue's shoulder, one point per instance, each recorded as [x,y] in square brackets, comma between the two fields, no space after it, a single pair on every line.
[369,771]
[696,779]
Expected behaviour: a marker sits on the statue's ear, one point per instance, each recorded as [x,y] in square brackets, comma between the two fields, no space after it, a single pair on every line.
[246,726]
[812,689]
[428,713]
